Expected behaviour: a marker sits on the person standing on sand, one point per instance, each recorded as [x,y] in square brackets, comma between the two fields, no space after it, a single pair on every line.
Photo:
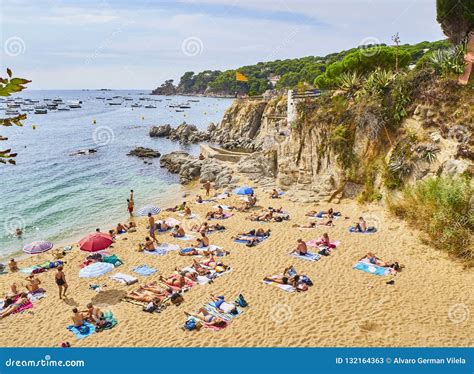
[151,222]
[60,279]
[207,187]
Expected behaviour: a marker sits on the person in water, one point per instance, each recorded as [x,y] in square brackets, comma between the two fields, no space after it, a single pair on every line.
[60,279]
[130,207]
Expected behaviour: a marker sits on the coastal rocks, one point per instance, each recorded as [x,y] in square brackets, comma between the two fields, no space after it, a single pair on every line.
[184,133]
[144,153]
[240,125]
[160,131]
[453,168]
[257,166]
[190,168]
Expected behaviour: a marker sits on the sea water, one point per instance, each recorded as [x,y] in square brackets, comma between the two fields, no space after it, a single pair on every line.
[56,196]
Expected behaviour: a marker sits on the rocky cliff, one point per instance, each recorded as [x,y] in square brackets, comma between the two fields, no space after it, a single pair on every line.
[344,146]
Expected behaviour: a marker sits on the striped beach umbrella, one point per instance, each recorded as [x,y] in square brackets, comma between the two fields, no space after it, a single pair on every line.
[37,247]
[148,209]
[96,270]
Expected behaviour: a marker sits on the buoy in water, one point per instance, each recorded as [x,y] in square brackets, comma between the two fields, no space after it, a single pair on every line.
[143,118]
[94,122]
[33,127]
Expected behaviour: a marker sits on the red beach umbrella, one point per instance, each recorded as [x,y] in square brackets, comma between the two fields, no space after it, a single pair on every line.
[94,242]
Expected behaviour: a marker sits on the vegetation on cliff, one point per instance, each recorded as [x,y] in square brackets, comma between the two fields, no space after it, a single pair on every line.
[291,73]
[442,209]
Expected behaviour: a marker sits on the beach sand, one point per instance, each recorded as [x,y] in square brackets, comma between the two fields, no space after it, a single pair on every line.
[428,305]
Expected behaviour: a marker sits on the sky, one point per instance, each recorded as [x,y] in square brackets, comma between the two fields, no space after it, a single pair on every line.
[73,44]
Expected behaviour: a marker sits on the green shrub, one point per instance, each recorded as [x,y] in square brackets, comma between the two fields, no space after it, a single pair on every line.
[442,209]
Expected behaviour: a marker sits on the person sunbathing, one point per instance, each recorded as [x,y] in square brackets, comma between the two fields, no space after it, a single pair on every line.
[178,280]
[374,260]
[154,288]
[178,232]
[120,229]
[15,306]
[200,269]
[265,217]
[274,194]
[324,241]
[77,318]
[216,227]
[301,248]
[189,274]
[199,199]
[216,214]
[203,241]
[92,314]
[13,265]
[224,306]
[187,212]
[33,283]
[162,226]
[112,234]
[208,318]
[202,228]
[360,226]
[289,277]
[132,226]
[261,233]
[144,296]
[148,246]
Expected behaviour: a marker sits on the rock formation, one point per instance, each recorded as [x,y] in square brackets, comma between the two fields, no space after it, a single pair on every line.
[144,152]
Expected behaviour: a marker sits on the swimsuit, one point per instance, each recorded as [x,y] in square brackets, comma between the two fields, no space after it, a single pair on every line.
[60,281]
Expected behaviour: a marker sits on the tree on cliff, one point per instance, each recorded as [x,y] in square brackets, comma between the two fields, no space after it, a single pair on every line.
[9,86]
[456,18]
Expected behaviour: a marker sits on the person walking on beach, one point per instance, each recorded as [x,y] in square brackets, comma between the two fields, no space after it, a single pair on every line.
[60,279]
[151,222]
[207,187]
[130,207]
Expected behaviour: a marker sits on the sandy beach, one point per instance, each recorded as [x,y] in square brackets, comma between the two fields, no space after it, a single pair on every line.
[428,305]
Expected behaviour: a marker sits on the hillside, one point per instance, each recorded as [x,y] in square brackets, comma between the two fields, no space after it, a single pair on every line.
[290,73]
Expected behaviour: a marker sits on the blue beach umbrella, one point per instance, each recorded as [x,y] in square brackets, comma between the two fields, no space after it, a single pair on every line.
[148,209]
[96,269]
[244,190]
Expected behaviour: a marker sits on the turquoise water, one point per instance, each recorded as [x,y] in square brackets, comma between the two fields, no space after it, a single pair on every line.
[55,196]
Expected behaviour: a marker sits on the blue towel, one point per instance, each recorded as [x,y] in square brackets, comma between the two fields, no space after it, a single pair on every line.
[308,257]
[245,241]
[79,335]
[371,269]
[144,270]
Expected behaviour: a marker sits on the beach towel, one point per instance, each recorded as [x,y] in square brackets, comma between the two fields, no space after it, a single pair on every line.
[367,267]
[192,215]
[163,249]
[188,284]
[83,331]
[37,295]
[284,287]
[314,243]
[211,308]
[244,239]
[207,325]
[113,259]
[124,278]
[370,230]
[222,196]
[308,257]
[224,216]
[144,270]
[186,237]
[224,207]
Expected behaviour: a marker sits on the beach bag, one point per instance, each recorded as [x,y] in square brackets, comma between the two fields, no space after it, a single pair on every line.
[241,301]
[306,280]
[84,329]
[150,307]
[176,299]
[190,324]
